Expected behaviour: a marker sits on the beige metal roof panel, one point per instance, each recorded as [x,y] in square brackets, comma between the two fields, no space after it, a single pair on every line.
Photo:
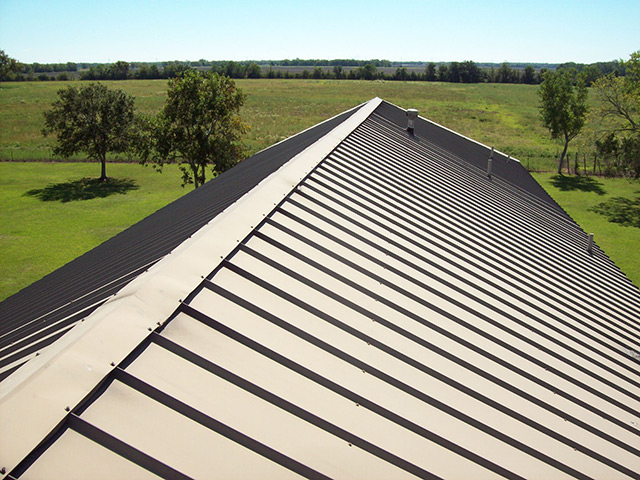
[395,280]
[385,395]
[163,433]
[255,416]
[75,457]
[415,278]
[489,218]
[434,245]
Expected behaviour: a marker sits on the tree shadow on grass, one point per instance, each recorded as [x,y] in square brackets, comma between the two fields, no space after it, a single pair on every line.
[83,189]
[584,184]
[622,210]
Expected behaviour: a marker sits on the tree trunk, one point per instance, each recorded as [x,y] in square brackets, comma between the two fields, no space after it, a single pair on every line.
[196,178]
[564,152]
[103,174]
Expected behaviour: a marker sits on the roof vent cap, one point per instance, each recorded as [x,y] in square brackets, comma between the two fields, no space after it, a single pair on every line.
[412,114]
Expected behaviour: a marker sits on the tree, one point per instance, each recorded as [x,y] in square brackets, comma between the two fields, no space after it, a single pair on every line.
[8,65]
[529,75]
[254,70]
[506,74]
[430,72]
[119,70]
[469,72]
[563,108]
[442,73]
[91,119]
[368,71]
[198,127]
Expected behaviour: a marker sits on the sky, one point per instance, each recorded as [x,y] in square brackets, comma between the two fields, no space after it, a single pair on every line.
[536,31]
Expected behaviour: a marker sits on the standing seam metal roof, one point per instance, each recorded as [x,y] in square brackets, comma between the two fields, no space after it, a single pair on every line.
[397,314]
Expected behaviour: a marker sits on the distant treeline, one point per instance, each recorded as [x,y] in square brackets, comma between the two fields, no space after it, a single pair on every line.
[349,69]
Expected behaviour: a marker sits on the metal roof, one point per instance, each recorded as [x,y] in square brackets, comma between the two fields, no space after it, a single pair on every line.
[378,307]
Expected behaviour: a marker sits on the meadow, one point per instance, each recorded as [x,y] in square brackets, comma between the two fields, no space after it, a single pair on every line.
[504,116]
[48,216]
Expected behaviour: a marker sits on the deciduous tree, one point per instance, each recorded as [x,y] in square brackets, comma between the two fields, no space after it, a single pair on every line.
[7,65]
[198,128]
[91,119]
[563,108]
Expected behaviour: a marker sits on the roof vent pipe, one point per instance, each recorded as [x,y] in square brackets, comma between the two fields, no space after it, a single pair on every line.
[590,244]
[490,164]
[412,114]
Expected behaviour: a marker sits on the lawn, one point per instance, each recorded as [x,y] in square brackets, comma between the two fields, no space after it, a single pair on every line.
[38,235]
[40,232]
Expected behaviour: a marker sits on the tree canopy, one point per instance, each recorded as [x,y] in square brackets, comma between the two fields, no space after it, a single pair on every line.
[198,128]
[91,119]
[563,107]
[7,65]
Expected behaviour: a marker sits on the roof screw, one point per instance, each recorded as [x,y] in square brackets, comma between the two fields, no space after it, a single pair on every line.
[67,409]
[590,244]
[3,471]
[113,364]
[150,329]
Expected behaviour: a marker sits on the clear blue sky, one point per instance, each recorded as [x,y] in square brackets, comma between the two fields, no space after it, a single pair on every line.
[552,31]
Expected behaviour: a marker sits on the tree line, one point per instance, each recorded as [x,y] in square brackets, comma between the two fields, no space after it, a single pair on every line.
[342,69]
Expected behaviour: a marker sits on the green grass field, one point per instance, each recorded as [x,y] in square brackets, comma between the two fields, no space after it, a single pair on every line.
[38,236]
